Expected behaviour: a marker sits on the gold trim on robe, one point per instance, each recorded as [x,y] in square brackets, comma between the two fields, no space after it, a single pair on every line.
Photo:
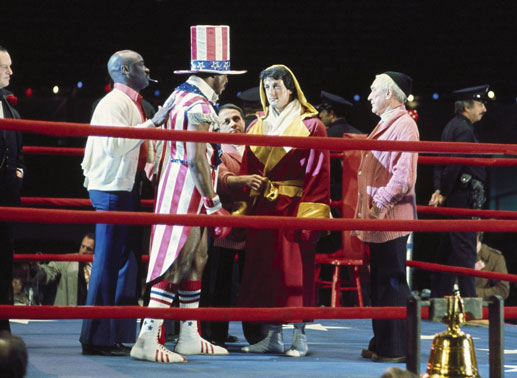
[270,156]
[313,210]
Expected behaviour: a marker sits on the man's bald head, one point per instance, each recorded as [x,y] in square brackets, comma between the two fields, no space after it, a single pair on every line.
[127,67]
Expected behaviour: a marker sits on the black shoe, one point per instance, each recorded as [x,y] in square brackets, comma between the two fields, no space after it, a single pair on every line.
[395,360]
[232,339]
[103,350]
[123,347]
[367,353]
[220,343]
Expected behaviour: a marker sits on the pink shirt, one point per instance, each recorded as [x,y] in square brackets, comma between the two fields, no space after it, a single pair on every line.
[133,95]
[387,178]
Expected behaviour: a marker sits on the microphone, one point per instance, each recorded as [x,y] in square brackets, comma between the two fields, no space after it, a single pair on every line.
[154,81]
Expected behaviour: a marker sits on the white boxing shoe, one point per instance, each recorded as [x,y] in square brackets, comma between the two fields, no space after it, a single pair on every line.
[300,347]
[272,343]
[147,348]
[198,345]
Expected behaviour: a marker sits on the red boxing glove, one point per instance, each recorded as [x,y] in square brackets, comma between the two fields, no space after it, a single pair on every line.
[213,206]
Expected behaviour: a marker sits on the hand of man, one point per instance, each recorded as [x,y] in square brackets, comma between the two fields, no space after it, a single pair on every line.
[374,212]
[436,199]
[256,182]
[163,111]
[213,206]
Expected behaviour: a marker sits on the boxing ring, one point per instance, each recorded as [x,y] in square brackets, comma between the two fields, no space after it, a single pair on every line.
[337,335]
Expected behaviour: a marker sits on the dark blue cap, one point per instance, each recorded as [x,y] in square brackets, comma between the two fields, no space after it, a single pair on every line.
[478,93]
[332,101]
[249,95]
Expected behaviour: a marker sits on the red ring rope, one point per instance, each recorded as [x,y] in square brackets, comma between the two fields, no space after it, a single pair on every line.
[450,211]
[487,162]
[60,257]
[410,263]
[68,129]
[206,313]
[422,159]
[40,150]
[249,314]
[461,270]
[256,222]
[460,212]
[73,202]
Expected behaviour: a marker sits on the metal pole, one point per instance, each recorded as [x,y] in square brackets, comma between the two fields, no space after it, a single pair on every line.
[496,336]
[414,314]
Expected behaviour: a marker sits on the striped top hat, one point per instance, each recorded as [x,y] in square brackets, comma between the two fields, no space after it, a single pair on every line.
[210,50]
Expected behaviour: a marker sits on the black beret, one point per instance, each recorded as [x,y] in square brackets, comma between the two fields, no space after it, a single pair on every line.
[403,81]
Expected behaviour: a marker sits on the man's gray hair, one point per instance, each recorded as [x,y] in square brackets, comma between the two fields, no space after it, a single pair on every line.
[387,82]
[460,105]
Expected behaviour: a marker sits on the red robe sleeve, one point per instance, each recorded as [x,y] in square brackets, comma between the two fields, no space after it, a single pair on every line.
[315,200]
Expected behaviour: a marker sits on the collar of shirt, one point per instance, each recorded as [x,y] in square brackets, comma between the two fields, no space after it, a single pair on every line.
[387,114]
[1,109]
[386,121]
[204,88]
[130,92]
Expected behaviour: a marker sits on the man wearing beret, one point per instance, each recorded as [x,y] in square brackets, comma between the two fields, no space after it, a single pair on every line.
[460,186]
[386,190]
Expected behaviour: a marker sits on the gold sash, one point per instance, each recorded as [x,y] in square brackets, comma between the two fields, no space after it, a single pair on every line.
[290,188]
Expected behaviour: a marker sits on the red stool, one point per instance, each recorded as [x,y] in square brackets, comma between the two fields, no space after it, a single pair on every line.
[337,285]
[354,253]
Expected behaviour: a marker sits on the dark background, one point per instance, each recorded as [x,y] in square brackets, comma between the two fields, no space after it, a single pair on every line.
[337,46]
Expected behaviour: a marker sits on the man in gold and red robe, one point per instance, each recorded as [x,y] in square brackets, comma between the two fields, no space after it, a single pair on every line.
[279,263]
